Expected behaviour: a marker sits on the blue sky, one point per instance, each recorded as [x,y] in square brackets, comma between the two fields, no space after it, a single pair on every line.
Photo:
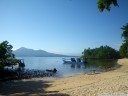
[61,26]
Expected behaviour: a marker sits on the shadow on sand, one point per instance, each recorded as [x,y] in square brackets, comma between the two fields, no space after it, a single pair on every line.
[27,88]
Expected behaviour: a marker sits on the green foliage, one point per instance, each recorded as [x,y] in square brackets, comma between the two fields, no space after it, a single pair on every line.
[103,52]
[124,50]
[124,46]
[125,32]
[6,56]
[106,4]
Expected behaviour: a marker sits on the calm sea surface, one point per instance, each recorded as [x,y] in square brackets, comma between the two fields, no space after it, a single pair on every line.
[65,70]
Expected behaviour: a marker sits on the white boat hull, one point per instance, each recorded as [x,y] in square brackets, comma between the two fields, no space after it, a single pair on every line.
[70,62]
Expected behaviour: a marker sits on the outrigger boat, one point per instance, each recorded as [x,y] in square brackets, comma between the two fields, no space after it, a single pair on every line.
[73,61]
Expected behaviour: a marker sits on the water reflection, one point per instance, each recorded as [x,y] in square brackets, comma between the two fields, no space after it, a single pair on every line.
[98,65]
[77,66]
[101,64]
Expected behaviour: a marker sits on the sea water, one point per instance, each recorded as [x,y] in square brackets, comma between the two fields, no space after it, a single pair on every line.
[66,70]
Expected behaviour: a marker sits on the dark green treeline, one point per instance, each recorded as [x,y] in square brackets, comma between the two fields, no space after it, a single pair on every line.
[103,52]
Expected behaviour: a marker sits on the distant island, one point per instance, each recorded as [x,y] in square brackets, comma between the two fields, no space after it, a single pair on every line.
[25,52]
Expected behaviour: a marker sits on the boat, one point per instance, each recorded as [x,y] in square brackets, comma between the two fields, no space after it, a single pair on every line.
[73,61]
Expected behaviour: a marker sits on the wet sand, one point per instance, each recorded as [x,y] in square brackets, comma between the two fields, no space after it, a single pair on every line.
[97,84]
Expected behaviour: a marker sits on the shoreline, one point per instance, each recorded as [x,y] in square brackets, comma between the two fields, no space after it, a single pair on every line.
[110,82]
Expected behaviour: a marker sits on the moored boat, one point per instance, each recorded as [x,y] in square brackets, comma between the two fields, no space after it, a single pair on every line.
[73,61]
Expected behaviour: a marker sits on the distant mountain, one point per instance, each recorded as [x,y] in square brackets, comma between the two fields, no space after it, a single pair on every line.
[25,52]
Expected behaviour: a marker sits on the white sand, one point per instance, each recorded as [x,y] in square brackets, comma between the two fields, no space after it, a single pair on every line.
[115,81]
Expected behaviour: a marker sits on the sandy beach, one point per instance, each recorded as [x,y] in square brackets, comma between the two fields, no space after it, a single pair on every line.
[112,83]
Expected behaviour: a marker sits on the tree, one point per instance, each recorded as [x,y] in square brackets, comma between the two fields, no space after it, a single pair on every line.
[124,46]
[124,50]
[103,52]
[125,32]
[106,4]
[6,56]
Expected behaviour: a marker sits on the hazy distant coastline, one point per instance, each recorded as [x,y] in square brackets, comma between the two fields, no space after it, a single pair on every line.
[25,52]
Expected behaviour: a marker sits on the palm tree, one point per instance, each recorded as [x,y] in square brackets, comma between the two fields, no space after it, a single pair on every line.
[125,32]
[124,46]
